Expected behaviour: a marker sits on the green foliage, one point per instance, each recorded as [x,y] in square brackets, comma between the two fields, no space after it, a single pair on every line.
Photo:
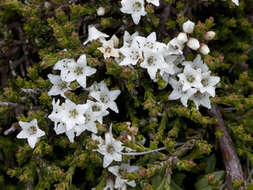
[35,34]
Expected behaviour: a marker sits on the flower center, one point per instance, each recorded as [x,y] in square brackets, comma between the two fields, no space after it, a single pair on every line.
[96,108]
[62,85]
[108,50]
[134,55]
[73,113]
[32,130]
[151,61]
[190,78]
[204,82]
[87,118]
[137,6]
[79,70]
[104,98]
[110,148]
[197,95]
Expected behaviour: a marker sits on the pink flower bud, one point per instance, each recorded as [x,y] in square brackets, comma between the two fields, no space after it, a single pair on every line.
[209,35]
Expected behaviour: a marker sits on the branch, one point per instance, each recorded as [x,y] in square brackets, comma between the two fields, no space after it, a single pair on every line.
[230,158]
[163,19]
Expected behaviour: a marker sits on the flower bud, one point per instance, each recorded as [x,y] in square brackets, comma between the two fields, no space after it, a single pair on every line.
[193,43]
[188,27]
[204,49]
[182,38]
[209,35]
[101,11]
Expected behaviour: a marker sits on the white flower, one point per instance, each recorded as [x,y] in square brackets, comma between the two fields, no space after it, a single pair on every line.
[135,8]
[131,54]
[59,86]
[197,64]
[153,62]
[178,92]
[190,78]
[122,183]
[111,149]
[209,35]
[94,34]
[236,2]
[106,97]
[209,83]
[63,65]
[193,43]
[188,27]
[31,132]
[108,48]
[204,49]
[148,43]
[201,99]
[72,114]
[101,11]
[78,71]
[98,110]
[154,2]
[127,38]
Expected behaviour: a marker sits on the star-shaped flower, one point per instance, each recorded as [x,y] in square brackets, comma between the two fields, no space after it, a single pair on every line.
[178,93]
[201,99]
[131,54]
[153,62]
[209,83]
[106,97]
[59,86]
[31,132]
[190,78]
[94,34]
[197,63]
[122,183]
[78,71]
[135,8]
[108,48]
[111,149]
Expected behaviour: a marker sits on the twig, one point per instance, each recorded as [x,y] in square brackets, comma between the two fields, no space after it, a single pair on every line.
[230,158]
[142,153]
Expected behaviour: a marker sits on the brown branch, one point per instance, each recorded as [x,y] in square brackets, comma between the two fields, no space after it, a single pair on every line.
[163,19]
[230,157]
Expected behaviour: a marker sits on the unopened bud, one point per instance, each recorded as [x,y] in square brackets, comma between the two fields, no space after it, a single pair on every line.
[188,27]
[193,43]
[182,38]
[101,11]
[204,49]
[209,35]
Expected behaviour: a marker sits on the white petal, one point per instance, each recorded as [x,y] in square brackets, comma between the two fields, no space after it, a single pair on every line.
[32,140]
[107,161]
[22,135]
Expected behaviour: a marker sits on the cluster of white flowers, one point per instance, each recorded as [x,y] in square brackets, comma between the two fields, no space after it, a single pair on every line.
[195,83]
[165,61]
[189,80]
[136,8]
[191,42]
